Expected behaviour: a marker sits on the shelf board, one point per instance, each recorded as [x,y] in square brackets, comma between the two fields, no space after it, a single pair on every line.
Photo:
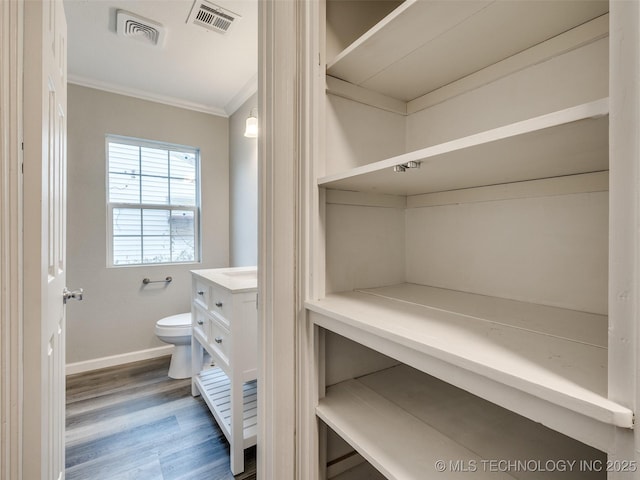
[423,45]
[403,421]
[388,437]
[553,355]
[566,142]
[215,387]
[531,317]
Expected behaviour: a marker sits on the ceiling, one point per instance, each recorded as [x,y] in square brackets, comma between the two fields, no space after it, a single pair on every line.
[193,67]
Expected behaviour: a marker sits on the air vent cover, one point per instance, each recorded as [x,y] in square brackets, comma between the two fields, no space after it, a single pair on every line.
[212,17]
[138,28]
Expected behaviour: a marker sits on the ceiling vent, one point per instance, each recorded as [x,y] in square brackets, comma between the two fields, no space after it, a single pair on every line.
[212,17]
[138,28]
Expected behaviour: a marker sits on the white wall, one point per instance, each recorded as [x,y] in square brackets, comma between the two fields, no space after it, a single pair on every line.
[550,250]
[358,134]
[367,246]
[577,76]
[243,184]
[118,313]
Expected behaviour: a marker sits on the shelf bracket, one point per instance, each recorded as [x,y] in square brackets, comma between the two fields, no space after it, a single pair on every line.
[402,167]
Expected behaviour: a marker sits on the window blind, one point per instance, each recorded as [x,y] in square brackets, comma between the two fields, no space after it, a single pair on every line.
[153,202]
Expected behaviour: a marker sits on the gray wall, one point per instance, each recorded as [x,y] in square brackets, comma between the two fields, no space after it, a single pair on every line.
[243,177]
[118,314]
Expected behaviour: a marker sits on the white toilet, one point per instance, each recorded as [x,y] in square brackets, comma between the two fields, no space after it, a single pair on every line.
[176,330]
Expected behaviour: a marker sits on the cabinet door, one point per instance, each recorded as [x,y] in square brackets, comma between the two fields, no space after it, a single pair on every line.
[220,342]
[222,304]
[200,323]
[201,293]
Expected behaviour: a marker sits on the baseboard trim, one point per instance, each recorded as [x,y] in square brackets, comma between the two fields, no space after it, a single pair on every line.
[113,360]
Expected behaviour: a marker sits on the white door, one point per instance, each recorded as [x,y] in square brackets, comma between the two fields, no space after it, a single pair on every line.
[45,105]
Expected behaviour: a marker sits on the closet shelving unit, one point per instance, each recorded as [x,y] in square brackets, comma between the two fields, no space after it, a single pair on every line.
[532,362]
[567,142]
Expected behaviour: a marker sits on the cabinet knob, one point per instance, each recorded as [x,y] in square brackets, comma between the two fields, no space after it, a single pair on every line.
[218,339]
[200,322]
[200,292]
[218,304]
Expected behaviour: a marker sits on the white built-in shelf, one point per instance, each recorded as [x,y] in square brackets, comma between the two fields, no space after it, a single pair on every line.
[215,387]
[403,422]
[566,142]
[423,45]
[526,357]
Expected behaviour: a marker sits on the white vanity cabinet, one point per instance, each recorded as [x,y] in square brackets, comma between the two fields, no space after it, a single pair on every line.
[224,317]
[468,239]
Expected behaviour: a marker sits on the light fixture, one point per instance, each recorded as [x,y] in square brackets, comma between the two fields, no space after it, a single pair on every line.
[251,126]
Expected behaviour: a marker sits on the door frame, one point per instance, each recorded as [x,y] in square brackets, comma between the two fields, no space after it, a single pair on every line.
[11,223]
[291,82]
[277,231]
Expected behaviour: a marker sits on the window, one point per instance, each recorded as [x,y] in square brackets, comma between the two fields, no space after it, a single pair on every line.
[153,202]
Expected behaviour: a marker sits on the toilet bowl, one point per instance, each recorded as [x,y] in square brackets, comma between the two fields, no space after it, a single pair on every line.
[176,330]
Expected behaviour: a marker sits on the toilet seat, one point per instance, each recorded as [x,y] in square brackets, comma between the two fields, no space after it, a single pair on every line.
[174,326]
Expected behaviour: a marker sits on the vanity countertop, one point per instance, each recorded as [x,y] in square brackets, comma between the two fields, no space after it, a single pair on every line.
[234,279]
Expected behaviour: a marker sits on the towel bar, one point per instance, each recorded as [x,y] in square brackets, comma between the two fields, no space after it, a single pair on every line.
[146,280]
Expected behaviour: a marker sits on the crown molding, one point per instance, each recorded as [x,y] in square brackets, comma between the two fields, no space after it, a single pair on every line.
[142,95]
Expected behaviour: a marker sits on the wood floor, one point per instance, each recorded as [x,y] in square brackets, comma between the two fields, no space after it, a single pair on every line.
[134,422]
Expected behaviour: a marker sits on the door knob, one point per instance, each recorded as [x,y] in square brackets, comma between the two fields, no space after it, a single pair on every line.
[68,294]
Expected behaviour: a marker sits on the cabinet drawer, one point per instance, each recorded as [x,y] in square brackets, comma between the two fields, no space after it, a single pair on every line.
[221,304]
[220,341]
[200,323]
[201,293]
